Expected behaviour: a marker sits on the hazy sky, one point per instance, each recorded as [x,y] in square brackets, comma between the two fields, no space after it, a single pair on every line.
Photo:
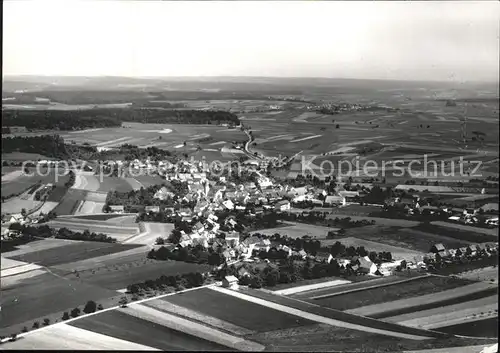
[452,40]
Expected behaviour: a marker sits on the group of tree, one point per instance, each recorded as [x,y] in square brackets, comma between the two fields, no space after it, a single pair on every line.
[178,282]
[145,197]
[111,117]
[193,254]
[51,146]
[59,119]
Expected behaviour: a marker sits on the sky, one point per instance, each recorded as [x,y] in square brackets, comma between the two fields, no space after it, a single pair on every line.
[439,41]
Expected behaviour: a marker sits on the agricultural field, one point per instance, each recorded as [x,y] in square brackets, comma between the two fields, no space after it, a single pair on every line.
[101,217]
[398,253]
[23,156]
[117,184]
[70,202]
[16,181]
[236,311]
[489,233]
[118,273]
[460,232]
[151,232]
[47,294]
[149,180]
[120,232]
[409,238]
[483,274]
[135,256]
[123,325]
[163,136]
[447,315]
[298,230]
[17,204]
[56,337]
[71,252]
[36,245]
[385,294]
[328,316]
[367,282]
[479,328]
[438,298]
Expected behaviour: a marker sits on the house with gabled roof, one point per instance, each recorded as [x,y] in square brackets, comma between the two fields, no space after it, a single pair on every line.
[232,239]
[430,257]
[323,257]
[472,250]
[443,255]
[334,200]
[282,206]
[366,265]
[230,282]
[117,209]
[461,252]
[437,248]
[152,209]
[302,253]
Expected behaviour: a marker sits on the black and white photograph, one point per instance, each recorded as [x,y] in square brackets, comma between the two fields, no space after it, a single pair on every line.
[270,176]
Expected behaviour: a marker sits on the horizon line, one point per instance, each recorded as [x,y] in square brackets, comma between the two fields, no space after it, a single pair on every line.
[146,77]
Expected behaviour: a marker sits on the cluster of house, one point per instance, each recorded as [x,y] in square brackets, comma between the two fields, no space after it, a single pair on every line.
[336,107]
[415,205]
[359,266]
[439,253]
[7,220]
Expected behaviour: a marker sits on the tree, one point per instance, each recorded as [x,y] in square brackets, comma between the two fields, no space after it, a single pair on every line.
[13,337]
[123,302]
[75,312]
[160,241]
[99,307]
[256,282]
[36,325]
[25,329]
[46,322]
[65,316]
[90,307]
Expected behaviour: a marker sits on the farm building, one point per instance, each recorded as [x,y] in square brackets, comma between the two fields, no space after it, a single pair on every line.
[437,248]
[324,257]
[117,209]
[366,265]
[233,239]
[152,209]
[230,282]
[335,200]
[443,255]
[472,250]
[283,206]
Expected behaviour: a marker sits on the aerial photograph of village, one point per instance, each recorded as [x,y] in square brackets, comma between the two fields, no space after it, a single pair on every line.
[250,176]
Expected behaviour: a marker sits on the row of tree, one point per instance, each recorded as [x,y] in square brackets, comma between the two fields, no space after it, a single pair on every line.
[44,231]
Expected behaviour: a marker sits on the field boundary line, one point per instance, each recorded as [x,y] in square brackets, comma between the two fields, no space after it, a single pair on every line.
[104,310]
[369,287]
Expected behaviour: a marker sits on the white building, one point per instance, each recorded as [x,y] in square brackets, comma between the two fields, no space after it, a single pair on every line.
[230,282]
